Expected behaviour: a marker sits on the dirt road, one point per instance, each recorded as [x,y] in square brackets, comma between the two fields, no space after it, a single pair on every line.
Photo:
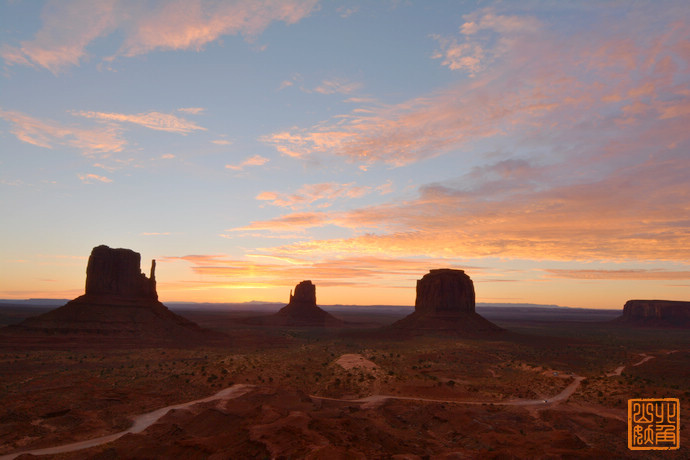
[141,422]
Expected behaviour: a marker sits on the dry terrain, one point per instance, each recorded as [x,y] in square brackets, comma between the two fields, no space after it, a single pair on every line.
[344,393]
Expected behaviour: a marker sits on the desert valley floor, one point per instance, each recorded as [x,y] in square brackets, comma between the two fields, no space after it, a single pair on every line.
[555,384]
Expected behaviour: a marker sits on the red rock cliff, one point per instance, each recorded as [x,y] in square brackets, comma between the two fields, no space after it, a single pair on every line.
[657,312]
[117,272]
[445,291]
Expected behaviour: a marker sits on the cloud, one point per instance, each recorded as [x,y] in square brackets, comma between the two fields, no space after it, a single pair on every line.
[221,142]
[256,160]
[488,19]
[70,26]
[541,85]
[285,84]
[192,110]
[152,120]
[337,86]
[360,271]
[289,222]
[625,274]
[48,134]
[581,143]
[485,36]
[635,213]
[90,178]
[325,192]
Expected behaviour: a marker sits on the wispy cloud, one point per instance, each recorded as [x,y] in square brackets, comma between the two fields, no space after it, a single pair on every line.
[49,133]
[192,110]
[290,222]
[91,178]
[69,27]
[256,160]
[337,86]
[529,90]
[221,142]
[516,215]
[484,37]
[261,270]
[624,274]
[152,120]
[324,193]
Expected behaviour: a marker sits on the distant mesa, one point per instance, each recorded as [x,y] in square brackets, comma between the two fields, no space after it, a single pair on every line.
[445,303]
[301,311]
[656,313]
[119,307]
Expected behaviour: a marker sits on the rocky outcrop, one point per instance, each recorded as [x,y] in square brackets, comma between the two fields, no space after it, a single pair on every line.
[119,308]
[446,302]
[656,313]
[116,272]
[304,296]
[302,310]
[445,291]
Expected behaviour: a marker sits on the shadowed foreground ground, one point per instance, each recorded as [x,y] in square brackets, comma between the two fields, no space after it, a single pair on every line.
[327,393]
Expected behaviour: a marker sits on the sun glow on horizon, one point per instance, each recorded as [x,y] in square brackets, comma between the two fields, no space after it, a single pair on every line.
[540,147]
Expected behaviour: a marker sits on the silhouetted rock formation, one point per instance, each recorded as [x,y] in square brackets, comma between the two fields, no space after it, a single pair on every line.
[656,313]
[445,302]
[120,307]
[116,272]
[302,310]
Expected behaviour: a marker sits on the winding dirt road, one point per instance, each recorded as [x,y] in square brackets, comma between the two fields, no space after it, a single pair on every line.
[141,422]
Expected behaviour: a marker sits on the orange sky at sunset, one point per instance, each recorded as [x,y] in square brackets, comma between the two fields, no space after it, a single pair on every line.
[543,147]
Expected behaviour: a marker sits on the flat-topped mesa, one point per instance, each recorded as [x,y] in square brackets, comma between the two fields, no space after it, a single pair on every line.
[117,273]
[666,313]
[445,303]
[445,291]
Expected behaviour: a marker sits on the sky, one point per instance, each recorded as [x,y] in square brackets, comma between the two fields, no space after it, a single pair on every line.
[541,146]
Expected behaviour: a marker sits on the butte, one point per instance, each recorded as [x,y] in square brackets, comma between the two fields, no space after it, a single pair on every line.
[119,308]
[445,303]
[301,311]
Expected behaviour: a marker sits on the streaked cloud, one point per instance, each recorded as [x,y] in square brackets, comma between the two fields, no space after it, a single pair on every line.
[532,89]
[624,274]
[337,86]
[103,139]
[361,271]
[256,160]
[324,193]
[290,222]
[152,120]
[192,110]
[69,27]
[91,178]
[518,217]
